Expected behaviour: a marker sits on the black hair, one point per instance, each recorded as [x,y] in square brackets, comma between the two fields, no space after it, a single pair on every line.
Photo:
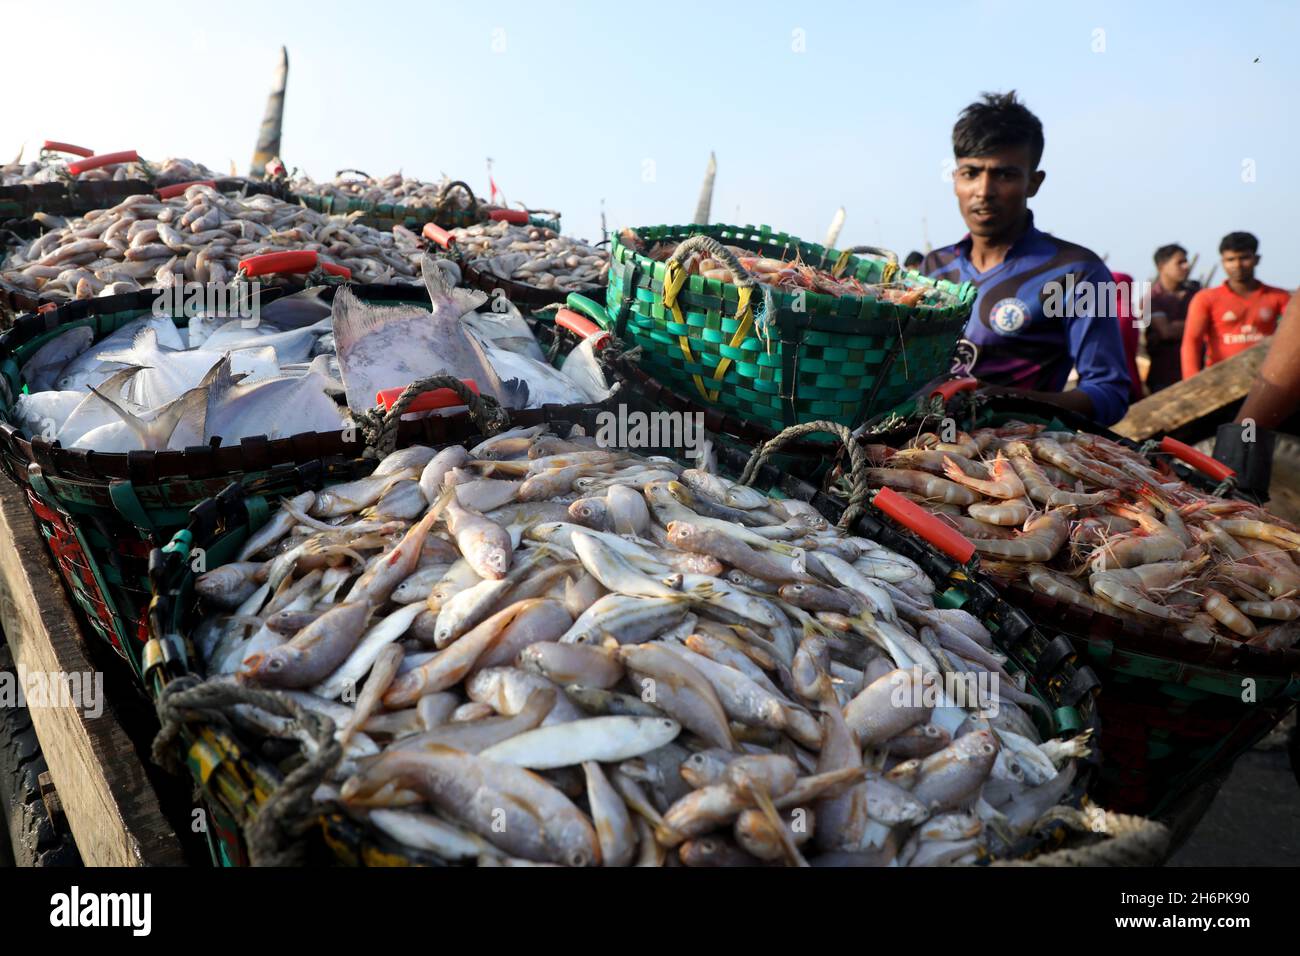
[997,121]
[1239,242]
[913,260]
[1165,253]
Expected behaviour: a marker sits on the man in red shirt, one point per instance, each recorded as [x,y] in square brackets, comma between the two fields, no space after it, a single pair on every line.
[1232,317]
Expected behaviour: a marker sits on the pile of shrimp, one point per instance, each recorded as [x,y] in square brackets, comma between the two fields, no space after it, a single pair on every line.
[794,274]
[1092,523]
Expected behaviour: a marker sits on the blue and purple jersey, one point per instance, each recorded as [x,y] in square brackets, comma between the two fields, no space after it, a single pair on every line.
[1046,308]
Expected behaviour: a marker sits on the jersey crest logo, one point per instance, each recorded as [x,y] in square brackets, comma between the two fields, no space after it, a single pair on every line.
[1008,316]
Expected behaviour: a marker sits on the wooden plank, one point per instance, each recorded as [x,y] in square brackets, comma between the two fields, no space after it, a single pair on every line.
[110,805]
[1195,397]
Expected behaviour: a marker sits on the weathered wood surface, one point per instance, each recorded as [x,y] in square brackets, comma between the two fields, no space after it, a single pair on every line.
[1195,397]
[110,804]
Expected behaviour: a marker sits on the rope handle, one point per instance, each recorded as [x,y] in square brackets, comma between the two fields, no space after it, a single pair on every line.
[879,252]
[379,426]
[275,833]
[716,250]
[445,192]
[857,457]
[1130,840]
[364,175]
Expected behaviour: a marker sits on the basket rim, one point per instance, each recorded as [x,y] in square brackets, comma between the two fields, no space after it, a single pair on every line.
[965,292]
[150,467]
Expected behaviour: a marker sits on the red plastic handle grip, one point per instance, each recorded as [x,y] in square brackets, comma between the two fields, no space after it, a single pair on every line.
[912,516]
[104,159]
[948,389]
[294,261]
[176,189]
[334,269]
[435,233]
[426,401]
[516,217]
[580,325]
[1198,460]
[57,147]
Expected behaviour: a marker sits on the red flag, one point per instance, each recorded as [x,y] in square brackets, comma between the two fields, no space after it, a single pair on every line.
[495,192]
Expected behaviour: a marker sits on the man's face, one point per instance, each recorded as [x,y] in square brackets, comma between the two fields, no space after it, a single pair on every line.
[993,191]
[1176,268]
[1240,266]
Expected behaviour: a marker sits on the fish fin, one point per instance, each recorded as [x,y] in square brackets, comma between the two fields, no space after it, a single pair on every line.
[155,432]
[441,291]
[220,378]
[114,384]
[353,319]
[320,365]
[144,343]
[516,392]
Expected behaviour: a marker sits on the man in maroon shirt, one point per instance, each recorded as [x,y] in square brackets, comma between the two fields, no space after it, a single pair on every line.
[1170,296]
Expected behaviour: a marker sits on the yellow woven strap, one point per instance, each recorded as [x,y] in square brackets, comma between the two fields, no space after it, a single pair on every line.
[745,314]
[674,279]
[838,269]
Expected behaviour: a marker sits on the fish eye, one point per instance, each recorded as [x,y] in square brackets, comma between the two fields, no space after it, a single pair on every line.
[275,664]
[987,749]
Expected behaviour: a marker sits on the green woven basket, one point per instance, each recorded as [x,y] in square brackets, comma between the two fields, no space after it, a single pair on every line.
[790,357]
[1174,714]
[102,513]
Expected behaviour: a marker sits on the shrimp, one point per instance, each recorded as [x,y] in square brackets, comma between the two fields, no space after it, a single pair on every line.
[1043,491]
[1124,587]
[934,507]
[1134,549]
[1281,610]
[1064,589]
[1152,542]
[1284,575]
[1051,452]
[1005,482]
[964,445]
[1201,630]
[1173,520]
[1261,531]
[927,459]
[930,486]
[1226,613]
[1010,513]
[974,528]
[1276,638]
[1042,538]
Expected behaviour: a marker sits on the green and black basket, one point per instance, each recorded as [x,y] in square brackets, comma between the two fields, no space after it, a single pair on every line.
[1175,714]
[774,357]
[238,772]
[101,514]
[443,213]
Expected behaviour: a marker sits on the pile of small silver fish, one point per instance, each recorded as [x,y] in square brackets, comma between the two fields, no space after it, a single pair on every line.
[51,170]
[152,386]
[396,189]
[542,651]
[1089,522]
[534,255]
[201,236]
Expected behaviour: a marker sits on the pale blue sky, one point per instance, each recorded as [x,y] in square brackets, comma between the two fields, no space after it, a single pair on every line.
[1145,141]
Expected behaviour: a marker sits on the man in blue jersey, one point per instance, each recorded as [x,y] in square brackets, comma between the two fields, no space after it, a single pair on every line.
[1045,305]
